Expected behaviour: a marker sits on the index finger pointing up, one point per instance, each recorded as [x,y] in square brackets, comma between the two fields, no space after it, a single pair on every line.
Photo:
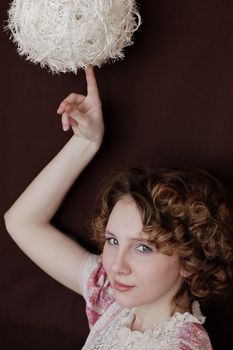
[92,88]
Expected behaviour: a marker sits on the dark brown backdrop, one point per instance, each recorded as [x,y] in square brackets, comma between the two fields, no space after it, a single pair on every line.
[169,103]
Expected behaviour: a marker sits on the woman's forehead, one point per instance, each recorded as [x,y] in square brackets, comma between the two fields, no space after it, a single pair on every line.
[125,214]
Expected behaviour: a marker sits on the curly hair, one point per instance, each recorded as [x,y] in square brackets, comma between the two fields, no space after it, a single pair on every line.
[186,211]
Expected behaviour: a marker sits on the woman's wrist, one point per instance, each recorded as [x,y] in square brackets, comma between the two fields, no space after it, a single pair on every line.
[90,146]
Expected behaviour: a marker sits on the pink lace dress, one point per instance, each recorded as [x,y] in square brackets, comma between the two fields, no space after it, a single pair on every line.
[110,323]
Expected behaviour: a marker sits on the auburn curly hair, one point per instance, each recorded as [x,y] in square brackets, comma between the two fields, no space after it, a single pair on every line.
[186,211]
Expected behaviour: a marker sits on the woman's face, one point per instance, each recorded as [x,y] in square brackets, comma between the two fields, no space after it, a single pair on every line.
[138,273]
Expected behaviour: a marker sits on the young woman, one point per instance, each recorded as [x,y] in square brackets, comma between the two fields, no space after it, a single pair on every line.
[165,239]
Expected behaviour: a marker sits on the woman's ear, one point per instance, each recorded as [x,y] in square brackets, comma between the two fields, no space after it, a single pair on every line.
[184,273]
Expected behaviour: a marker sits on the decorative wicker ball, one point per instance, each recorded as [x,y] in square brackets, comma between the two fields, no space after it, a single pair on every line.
[65,35]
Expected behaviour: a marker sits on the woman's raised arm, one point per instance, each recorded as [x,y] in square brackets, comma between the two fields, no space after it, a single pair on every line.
[28,220]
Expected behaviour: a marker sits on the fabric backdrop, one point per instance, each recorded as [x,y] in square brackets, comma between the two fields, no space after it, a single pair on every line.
[169,103]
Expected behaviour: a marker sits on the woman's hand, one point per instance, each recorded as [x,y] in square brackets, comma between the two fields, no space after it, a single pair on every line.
[84,113]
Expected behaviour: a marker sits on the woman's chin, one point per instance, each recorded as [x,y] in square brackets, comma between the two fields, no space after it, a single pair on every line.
[124,301]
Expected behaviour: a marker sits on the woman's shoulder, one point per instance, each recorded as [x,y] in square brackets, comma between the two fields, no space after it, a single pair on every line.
[190,333]
[183,331]
[97,290]
[193,336]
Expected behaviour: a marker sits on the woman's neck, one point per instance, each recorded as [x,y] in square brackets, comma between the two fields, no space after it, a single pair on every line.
[147,316]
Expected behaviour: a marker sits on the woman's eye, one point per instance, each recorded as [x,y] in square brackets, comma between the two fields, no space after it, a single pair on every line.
[144,248]
[112,241]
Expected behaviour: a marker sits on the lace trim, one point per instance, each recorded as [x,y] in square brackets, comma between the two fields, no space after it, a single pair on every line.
[196,311]
[112,331]
[197,317]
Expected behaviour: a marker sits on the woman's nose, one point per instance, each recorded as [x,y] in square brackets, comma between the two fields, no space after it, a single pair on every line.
[120,263]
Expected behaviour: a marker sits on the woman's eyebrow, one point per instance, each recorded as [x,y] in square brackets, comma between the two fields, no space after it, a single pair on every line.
[138,238]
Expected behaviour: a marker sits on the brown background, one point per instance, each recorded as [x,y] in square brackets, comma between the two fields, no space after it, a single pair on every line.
[169,103]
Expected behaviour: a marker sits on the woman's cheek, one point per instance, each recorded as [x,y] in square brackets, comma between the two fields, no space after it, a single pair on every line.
[107,258]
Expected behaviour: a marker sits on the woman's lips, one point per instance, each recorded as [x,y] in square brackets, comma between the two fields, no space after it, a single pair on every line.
[121,287]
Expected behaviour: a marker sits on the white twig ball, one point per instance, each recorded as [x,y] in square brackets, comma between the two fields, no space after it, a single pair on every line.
[65,35]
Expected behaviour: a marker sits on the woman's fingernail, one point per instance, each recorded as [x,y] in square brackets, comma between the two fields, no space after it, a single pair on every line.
[65,127]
